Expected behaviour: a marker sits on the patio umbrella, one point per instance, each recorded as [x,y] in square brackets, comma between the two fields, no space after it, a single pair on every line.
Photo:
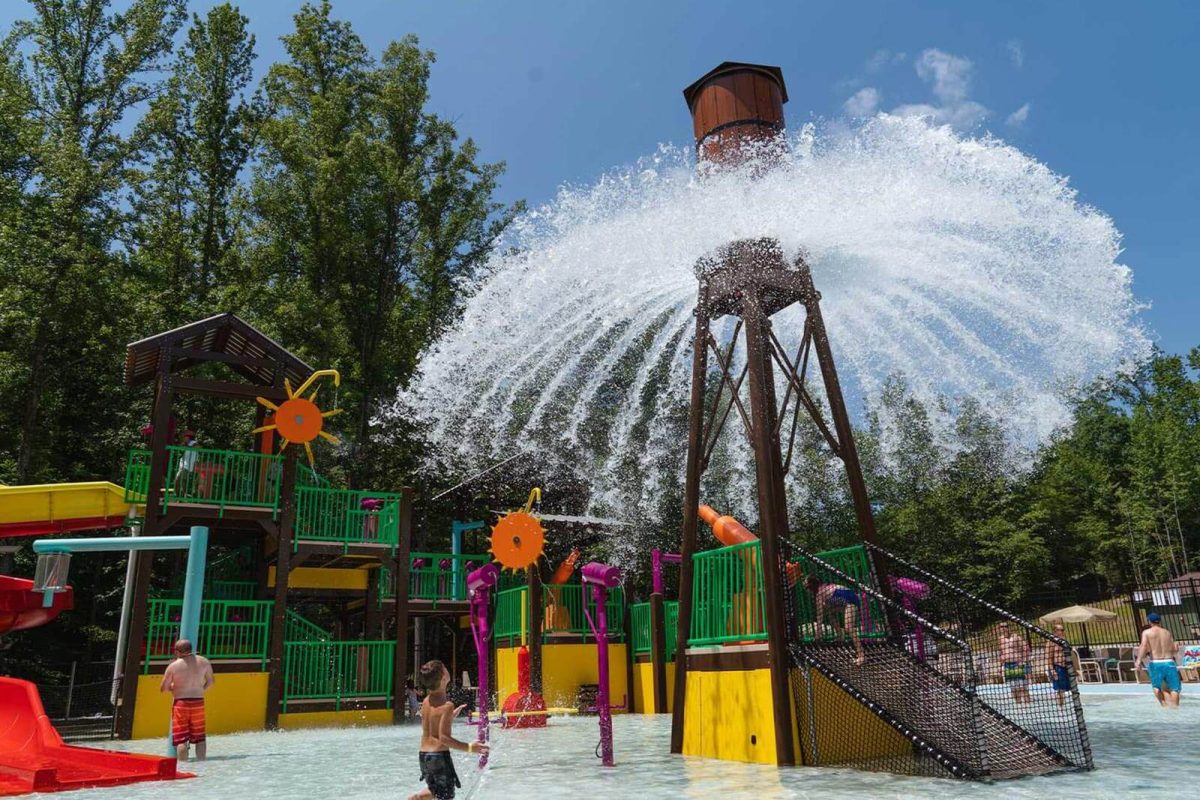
[1078,614]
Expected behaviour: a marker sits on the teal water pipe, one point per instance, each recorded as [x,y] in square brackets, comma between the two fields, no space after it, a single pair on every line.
[195,543]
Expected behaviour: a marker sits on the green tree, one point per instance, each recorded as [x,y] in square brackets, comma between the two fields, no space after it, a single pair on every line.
[79,69]
[195,140]
[369,214]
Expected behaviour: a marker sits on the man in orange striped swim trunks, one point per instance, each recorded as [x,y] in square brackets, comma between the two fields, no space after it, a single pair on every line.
[187,678]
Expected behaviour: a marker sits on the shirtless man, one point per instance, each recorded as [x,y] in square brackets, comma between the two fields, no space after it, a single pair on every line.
[1014,655]
[187,678]
[437,713]
[1159,645]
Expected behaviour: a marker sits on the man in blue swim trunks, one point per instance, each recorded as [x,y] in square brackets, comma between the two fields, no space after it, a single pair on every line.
[1159,645]
[1060,678]
[832,598]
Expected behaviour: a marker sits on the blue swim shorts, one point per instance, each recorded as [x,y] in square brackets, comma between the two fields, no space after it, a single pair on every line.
[846,596]
[1062,681]
[1164,674]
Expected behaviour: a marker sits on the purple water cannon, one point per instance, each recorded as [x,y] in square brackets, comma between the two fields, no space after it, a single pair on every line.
[480,583]
[602,577]
[910,592]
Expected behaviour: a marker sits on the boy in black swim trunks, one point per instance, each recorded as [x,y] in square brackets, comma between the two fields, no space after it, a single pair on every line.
[437,714]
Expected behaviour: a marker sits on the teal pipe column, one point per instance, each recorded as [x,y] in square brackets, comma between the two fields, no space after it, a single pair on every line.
[193,586]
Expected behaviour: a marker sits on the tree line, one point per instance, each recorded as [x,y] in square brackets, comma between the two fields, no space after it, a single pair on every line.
[148,180]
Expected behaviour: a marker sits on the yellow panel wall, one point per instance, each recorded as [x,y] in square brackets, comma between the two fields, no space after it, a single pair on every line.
[323,578]
[643,687]
[847,731]
[728,715]
[335,719]
[236,702]
[565,667]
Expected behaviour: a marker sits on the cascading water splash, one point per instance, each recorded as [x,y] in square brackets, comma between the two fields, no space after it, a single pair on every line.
[962,264]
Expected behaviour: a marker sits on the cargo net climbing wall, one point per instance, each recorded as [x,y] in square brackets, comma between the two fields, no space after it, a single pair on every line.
[879,686]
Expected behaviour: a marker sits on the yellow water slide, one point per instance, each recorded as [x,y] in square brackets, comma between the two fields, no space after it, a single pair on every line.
[61,507]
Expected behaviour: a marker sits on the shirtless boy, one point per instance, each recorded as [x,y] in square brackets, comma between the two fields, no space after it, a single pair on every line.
[1159,645]
[437,714]
[187,678]
[1014,655]
[832,598]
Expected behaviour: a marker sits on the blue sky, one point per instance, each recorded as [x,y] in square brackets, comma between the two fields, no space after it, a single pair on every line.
[1103,92]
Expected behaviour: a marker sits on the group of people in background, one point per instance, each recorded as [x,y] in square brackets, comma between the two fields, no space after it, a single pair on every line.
[1157,652]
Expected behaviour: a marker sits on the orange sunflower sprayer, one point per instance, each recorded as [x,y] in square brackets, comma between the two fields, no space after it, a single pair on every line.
[518,537]
[298,420]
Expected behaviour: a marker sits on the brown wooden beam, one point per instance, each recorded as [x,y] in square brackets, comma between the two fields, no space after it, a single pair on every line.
[536,612]
[400,571]
[658,653]
[691,511]
[283,569]
[227,390]
[185,354]
[772,517]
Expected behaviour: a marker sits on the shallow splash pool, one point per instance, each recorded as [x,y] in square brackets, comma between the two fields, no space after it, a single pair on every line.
[1140,750]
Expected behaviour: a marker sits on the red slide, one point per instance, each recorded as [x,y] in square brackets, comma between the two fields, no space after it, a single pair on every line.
[21,609]
[33,757]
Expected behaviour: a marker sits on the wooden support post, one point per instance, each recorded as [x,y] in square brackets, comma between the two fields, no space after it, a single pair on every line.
[658,653]
[372,618]
[630,706]
[400,607]
[536,612]
[283,569]
[772,517]
[691,512]
[143,560]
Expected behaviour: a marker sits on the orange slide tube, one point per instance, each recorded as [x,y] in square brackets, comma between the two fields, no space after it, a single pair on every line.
[729,531]
[557,615]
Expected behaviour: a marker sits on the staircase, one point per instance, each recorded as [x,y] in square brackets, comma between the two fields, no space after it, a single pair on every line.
[957,724]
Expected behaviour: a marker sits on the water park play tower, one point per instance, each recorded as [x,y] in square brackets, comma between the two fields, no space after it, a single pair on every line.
[737,115]
[759,675]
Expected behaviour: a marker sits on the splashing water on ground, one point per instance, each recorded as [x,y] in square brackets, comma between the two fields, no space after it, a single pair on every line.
[962,264]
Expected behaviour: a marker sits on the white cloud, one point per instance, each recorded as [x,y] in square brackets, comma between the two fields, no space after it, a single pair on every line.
[1016,53]
[881,59]
[949,77]
[863,103]
[1018,118]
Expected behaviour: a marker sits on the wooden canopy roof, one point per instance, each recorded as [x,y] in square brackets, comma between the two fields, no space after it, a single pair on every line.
[224,337]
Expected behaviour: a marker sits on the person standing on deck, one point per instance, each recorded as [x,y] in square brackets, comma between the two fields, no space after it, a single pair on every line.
[1159,645]
[187,678]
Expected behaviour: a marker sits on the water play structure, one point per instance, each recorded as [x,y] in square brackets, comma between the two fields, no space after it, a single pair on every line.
[741,658]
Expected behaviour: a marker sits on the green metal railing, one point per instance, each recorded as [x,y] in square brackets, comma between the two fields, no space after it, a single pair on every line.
[299,629]
[337,671]
[870,619]
[564,610]
[137,476]
[510,616]
[639,617]
[443,576]
[229,629]
[222,478]
[337,515]
[306,477]
[727,596]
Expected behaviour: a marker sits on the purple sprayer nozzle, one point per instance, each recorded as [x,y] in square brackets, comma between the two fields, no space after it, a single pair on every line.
[603,574]
[486,576]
